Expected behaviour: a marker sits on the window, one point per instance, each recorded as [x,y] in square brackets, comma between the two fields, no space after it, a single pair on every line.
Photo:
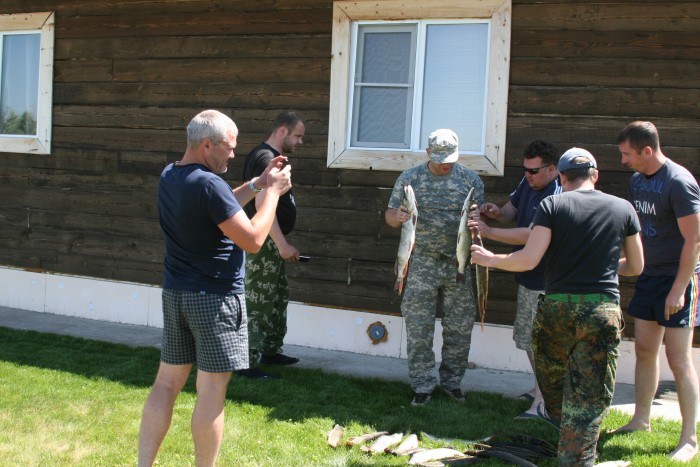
[403,69]
[26,82]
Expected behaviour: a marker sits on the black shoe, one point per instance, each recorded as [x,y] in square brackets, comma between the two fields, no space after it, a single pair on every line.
[420,398]
[455,394]
[278,359]
[253,373]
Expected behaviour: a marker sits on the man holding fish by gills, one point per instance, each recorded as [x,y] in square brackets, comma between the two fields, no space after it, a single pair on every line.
[440,187]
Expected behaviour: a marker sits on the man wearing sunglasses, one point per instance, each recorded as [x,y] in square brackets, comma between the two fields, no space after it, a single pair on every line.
[541,180]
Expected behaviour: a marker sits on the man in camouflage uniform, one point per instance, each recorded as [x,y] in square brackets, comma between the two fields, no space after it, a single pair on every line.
[581,234]
[440,188]
[266,287]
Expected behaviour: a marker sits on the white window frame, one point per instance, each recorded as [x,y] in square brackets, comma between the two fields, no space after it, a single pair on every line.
[346,13]
[43,23]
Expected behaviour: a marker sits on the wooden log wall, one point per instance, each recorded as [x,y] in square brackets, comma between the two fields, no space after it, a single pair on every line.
[129,74]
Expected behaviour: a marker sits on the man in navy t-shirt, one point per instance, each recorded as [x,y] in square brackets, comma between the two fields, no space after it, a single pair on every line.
[540,181]
[204,317]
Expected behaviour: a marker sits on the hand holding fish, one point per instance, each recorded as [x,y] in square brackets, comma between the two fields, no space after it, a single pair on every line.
[490,210]
[481,255]
[481,226]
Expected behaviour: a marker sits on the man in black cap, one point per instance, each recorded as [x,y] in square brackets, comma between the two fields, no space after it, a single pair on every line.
[581,233]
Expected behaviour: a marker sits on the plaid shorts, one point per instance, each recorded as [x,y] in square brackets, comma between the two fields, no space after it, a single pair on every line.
[208,329]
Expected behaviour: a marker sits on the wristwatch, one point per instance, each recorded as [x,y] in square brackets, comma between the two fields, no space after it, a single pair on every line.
[252,186]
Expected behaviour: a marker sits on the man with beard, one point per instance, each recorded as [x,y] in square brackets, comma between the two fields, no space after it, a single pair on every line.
[267,290]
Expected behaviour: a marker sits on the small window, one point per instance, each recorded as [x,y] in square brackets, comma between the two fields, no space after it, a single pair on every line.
[26,75]
[395,81]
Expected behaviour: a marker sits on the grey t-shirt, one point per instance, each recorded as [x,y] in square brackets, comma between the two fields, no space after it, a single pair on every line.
[660,199]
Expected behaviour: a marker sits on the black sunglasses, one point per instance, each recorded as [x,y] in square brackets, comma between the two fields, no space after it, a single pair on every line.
[536,170]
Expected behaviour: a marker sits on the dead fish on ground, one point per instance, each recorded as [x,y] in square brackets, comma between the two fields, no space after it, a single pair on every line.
[383,443]
[482,279]
[464,239]
[437,454]
[407,446]
[433,438]
[355,440]
[335,436]
[408,238]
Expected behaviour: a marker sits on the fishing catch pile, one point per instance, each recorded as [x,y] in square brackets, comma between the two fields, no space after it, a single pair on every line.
[516,449]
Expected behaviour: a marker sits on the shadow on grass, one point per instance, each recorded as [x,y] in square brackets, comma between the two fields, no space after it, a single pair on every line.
[295,395]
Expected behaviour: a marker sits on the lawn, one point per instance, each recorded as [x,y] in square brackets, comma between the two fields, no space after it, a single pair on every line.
[70,401]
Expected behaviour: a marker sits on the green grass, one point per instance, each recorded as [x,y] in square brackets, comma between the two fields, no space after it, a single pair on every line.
[69,401]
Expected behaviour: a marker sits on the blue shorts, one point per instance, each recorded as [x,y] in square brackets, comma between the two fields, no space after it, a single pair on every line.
[209,329]
[649,301]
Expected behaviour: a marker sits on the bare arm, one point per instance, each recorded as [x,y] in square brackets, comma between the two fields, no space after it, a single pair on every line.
[521,260]
[632,263]
[394,217]
[244,194]
[690,230]
[504,214]
[250,234]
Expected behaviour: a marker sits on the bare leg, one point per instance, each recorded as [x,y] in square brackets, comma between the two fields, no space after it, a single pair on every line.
[208,416]
[678,352]
[158,410]
[534,392]
[647,342]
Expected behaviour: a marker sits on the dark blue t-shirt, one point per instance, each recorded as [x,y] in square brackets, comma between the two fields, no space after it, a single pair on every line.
[192,202]
[526,200]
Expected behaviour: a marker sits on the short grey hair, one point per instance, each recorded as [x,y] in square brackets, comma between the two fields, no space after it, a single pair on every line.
[210,124]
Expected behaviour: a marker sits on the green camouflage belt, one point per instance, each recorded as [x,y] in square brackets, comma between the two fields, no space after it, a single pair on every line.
[579,298]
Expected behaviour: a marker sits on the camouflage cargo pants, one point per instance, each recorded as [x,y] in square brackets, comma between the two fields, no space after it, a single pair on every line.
[429,277]
[576,350]
[267,296]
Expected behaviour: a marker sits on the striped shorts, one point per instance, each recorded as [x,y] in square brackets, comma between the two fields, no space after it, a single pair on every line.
[208,329]
[649,301]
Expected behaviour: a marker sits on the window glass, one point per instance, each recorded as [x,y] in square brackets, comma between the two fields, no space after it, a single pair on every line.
[19,88]
[454,83]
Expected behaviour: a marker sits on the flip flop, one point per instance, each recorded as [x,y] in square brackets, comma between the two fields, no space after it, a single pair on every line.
[526,396]
[525,416]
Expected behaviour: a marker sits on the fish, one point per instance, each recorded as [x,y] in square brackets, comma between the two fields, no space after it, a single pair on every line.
[335,436]
[482,279]
[408,238]
[383,443]
[464,239]
[437,454]
[355,440]
[407,446]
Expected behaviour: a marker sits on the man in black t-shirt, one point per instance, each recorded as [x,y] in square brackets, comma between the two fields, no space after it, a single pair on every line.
[581,233]
[267,291]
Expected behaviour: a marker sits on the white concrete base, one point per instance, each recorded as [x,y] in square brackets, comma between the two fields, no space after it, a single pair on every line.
[309,326]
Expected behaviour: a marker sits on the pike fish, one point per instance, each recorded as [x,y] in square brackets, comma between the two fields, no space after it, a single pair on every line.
[408,238]
[383,443]
[407,446]
[437,454]
[335,436]
[482,279]
[464,239]
[355,440]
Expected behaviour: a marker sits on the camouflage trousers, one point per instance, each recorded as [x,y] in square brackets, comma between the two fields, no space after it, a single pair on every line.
[267,296]
[430,279]
[576,351]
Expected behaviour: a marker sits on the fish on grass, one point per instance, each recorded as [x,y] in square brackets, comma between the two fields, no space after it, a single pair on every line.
[408,238]
[383,443]
[464,239]
[355,440]
[482,279]
[335,436]
[408,446]
[430,455]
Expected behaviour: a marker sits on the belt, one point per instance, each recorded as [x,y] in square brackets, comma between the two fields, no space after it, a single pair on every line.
[579,298]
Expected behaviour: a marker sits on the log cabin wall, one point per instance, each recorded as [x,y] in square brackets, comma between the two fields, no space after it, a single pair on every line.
[129,75]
